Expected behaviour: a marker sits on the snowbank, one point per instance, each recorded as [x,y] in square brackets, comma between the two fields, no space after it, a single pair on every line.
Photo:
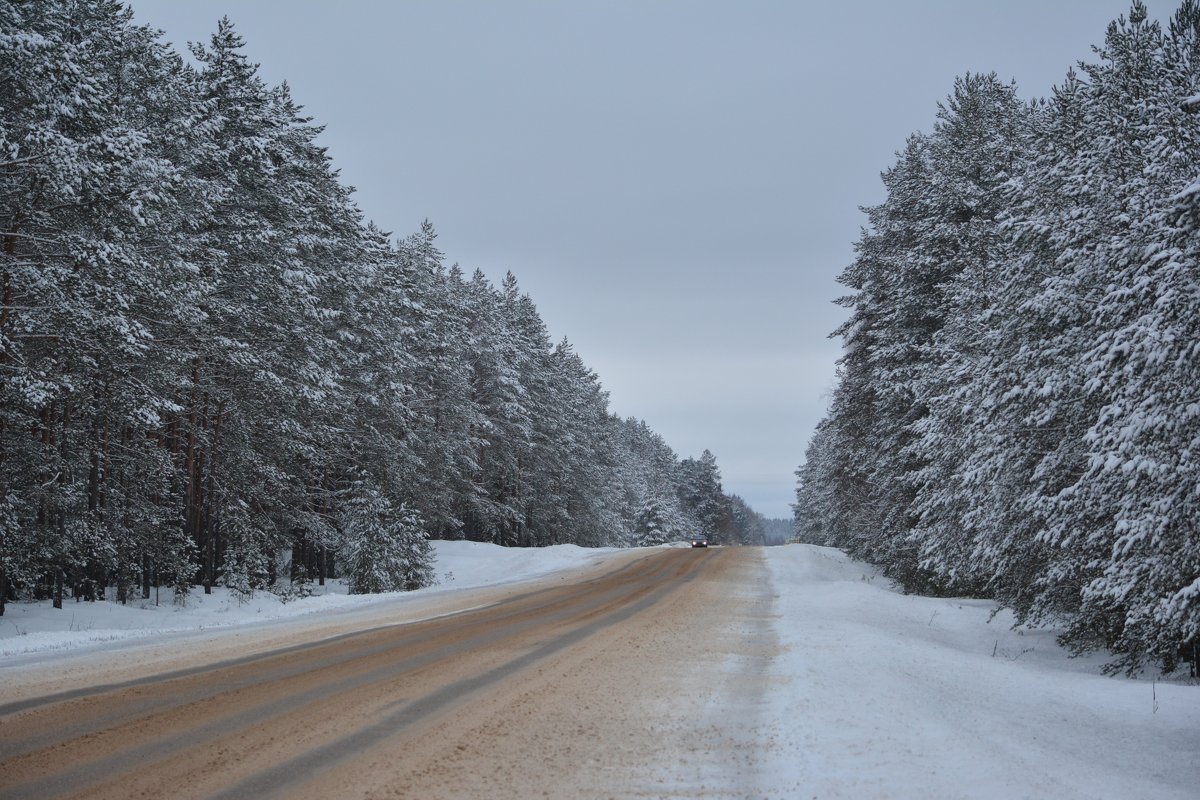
[38,627]
[882,694]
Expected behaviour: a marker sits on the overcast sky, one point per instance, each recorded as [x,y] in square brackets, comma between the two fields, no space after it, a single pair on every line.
[676,184]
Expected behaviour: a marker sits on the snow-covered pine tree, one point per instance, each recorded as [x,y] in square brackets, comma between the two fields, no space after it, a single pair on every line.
[537,462]
[498,362]
[1141,480]
[976,152]
[91,194]
[815,500]
[653,525]
[442,435]
[260,408]
[897,307]
[385,547]
[702,499]
[589,516]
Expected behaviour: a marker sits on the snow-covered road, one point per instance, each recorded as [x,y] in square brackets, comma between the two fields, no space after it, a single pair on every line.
[783,672]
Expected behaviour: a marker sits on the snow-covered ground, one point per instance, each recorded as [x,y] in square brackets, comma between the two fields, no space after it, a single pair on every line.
[38,627]
[880,694]
[851,689]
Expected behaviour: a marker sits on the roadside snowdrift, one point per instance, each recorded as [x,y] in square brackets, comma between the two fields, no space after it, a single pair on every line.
[882,694]
[38,627]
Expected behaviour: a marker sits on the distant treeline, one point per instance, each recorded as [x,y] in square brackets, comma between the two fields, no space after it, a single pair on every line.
[209,362]
[1018,408]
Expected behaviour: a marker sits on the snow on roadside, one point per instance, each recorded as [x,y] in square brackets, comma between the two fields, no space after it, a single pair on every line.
[38,627]
[881,694]
[871,693]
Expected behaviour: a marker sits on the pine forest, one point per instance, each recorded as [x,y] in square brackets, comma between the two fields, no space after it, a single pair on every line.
[1017,409]
[214,370]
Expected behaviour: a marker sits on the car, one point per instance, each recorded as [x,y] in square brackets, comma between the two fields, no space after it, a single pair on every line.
[700,540]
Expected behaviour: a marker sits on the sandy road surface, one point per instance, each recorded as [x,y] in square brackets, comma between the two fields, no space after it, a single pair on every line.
[610,686]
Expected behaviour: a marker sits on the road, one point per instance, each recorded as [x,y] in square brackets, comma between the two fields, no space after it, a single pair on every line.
[606,686]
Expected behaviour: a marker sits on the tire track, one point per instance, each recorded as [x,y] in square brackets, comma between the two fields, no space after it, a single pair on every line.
[243,726]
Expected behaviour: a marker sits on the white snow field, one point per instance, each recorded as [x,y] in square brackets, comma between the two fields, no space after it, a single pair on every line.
[880,694]
[842,688]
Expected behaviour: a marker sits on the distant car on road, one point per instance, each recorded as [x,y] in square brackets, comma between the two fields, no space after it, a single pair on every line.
[700,540]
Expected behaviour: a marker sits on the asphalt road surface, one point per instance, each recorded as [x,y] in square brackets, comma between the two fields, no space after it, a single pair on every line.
[605,685]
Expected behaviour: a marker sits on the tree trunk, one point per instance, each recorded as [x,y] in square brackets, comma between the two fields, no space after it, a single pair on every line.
[190,526]
[6,305]
[211,518]
[6,301]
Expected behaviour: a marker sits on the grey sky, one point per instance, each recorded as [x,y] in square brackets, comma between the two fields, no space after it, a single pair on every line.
[675,183]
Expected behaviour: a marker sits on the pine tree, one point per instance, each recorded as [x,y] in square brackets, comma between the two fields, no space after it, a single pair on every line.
[442,438]
[1140,479]
[91,195]
[385,548]
[653,525]
[976,153]
[701,497]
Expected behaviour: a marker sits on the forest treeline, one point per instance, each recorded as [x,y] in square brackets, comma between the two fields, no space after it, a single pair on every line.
[209,361]
[1017,413]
